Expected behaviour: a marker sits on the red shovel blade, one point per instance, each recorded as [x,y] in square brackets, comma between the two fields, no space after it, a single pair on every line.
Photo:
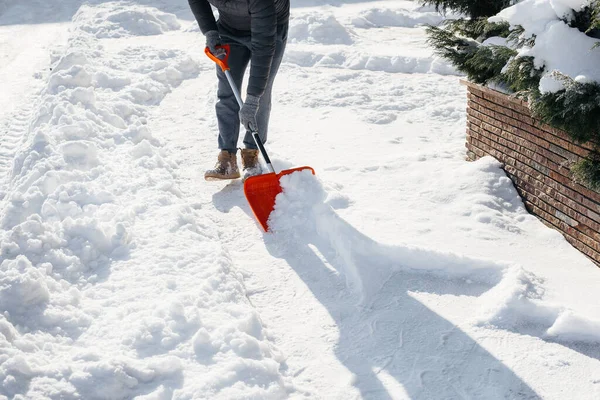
[261,190]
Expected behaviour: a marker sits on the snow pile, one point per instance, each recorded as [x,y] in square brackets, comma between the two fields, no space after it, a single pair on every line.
[321,39]
[384,17]
[558,48]
[79,240]
[515,297]
[365,61]
[571,327]
[318,28]
[398,64]
[303,213]
[115,20]
[517,303]
[489,196]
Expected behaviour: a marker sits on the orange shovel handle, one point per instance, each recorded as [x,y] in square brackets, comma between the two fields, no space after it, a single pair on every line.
[221,62]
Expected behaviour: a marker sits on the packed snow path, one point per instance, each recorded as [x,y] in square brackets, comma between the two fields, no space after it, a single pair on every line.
[400,271]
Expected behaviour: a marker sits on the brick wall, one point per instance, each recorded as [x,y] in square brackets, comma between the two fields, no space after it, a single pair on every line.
[537,158]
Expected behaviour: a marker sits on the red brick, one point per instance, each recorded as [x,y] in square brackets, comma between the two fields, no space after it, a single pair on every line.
[526,123]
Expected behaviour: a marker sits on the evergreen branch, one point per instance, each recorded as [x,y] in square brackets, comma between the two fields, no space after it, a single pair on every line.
[521,75]
[486,63]
[587,171]
[594,29]
[518,38]
[449,46]
[587,20]
[472,8]
[480,63]
[575,109]
[478,29]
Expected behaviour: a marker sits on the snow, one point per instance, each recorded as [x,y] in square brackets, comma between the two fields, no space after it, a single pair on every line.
[318,28]
[552,83]
[532,15]
[571,327]
[113,20]
[387,17]
[558,48]
[399,270]
[495,41]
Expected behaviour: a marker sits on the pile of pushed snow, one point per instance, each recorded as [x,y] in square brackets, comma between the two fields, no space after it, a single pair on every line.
[110,284]
[318,28]
[517,303]
[303,214]
[558,48]
[385,17]
[359,60]
[399,64]
[115,20]
[309,30]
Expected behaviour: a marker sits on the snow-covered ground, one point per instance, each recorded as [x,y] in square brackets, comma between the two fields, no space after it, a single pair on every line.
[398,271]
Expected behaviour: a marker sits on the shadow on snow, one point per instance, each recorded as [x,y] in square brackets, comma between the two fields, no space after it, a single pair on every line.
[387,332]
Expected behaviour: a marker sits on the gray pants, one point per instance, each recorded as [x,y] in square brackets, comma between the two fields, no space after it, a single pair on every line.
[227,107]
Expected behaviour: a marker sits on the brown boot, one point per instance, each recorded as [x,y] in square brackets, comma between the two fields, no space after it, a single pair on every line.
[250,164]
[225,168]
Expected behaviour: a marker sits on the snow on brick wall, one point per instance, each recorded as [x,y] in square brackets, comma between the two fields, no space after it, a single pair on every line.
[537,158]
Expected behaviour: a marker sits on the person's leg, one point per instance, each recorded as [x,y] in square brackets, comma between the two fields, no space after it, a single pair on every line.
[227,107]
[264,108]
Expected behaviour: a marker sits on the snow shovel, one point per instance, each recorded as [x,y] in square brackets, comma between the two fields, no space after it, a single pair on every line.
[260,190]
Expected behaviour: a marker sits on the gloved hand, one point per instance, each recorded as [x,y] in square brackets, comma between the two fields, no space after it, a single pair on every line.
[213,39]
[248,112]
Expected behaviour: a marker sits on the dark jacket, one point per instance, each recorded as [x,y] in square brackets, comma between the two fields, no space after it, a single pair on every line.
[258,18]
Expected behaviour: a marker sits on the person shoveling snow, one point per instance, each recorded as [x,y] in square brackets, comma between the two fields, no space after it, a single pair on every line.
[259,39]
[256,33]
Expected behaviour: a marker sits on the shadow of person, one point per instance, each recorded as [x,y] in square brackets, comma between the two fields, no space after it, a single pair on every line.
[389,339]
[231,195]
[591,350]
[391,335]
[386,333]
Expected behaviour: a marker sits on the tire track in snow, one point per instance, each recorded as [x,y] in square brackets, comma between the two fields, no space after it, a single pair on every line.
[14,131]
[26,45]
